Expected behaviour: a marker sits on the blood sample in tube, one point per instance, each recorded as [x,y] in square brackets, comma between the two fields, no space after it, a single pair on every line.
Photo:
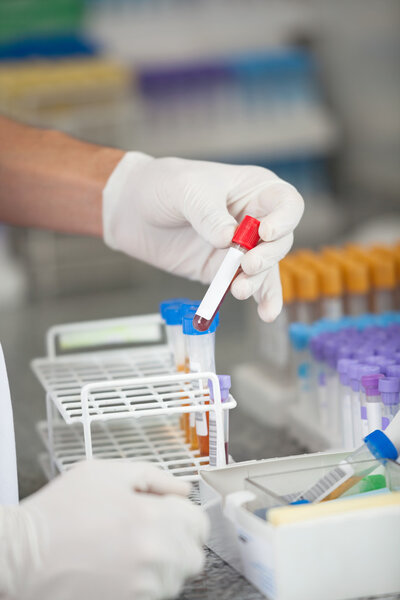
[245,238]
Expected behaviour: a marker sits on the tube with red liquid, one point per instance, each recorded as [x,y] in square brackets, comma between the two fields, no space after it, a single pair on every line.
[245,238]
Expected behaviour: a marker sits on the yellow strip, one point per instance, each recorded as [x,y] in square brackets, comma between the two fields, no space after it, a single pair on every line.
[307,512]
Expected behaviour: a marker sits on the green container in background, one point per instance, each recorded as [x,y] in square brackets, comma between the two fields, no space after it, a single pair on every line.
[29,18]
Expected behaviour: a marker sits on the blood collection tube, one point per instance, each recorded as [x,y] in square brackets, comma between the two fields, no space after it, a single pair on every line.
[319,387]
[330,284]
[382,274]
[345,402]
[382,361]
[201,352]
[306,289]
[274,337]
[245,238]
[389,388]
[209,442]
[173,322]
[300,335]
[355,372]
[394,253]
[355,278]
[371,401]
[171,312]
[164,305]
[393,370]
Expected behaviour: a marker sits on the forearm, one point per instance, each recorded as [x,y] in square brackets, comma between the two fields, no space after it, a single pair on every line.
[52,181]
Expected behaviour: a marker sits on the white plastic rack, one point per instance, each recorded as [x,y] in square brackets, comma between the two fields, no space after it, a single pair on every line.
[125,403]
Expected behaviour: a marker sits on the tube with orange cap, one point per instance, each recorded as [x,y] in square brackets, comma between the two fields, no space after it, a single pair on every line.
[394,253]
[330,284]
[274,337]
[306,289]
[355,278]
[382,273]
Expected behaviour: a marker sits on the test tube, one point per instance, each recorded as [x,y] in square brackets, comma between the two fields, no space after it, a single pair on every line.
[382,362]
[201,352]
[345,402]
[389,388]
[355,372]
[164,305]
[245,238]
[306,290]
[393,371]
[211,442]
[382,275]
[320,391]
[300,337]
[355,279]
[330,283]
[394,253]
[173,322]
[378,447]
[371,404]
[173,314]
[274,337]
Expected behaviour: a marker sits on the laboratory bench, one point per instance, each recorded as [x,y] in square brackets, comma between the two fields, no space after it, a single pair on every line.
[22,330]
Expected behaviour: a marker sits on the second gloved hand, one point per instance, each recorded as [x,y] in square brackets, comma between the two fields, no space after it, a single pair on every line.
[179,214]
[103,530]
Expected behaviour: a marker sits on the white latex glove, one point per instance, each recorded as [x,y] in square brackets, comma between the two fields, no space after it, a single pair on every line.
[178,214]
[103,530]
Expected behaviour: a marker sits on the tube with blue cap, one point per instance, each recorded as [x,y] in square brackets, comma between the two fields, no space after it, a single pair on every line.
[200,346]
[171,314]
[378,448]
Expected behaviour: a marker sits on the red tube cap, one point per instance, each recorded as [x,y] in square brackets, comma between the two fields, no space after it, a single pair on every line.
[246,234]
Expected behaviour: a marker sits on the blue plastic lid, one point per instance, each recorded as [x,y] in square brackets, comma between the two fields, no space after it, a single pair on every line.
[173,314]
[380,446]
[187,324]
[300,334]
[166,303]
[189,306]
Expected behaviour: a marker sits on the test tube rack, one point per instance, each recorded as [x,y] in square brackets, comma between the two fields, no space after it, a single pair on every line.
[122,403]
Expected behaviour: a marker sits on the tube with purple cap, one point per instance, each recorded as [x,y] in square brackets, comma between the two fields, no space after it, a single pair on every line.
[355,373]
[345,402]
[389,388]
[382,361]
[371,406]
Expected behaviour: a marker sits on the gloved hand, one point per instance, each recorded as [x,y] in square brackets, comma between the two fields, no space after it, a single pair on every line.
[103,530]
[178,214]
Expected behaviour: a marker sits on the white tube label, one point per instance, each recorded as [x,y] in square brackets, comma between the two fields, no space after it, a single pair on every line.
[374,415]
[220,283]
